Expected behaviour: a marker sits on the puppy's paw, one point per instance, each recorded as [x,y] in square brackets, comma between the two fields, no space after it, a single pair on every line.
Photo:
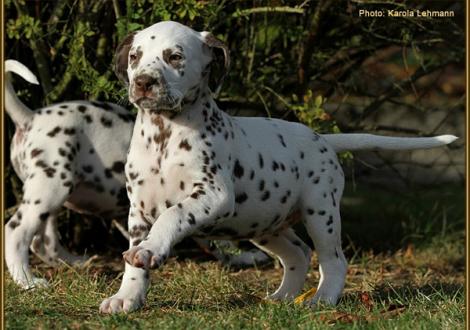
[118,304]
[281,296]
[140,257]
[33,283]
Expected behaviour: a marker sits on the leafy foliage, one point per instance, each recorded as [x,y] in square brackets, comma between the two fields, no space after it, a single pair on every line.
[290,59]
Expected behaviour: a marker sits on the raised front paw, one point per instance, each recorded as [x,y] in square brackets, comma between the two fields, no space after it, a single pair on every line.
[118,304]
[140,257]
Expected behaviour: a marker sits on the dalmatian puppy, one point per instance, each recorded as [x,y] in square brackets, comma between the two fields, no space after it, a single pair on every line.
[194,170]
[70,154]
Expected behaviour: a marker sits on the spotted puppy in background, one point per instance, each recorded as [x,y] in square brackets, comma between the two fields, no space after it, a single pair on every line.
[69,154]
[194,170]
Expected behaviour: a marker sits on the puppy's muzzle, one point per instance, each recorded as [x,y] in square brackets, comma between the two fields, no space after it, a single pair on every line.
[143,86]
[152,93]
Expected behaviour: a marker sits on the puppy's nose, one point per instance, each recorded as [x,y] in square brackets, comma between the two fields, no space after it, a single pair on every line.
[144,82]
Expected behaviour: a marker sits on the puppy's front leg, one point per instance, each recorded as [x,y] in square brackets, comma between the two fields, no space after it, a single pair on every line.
[135,281]
[203,208]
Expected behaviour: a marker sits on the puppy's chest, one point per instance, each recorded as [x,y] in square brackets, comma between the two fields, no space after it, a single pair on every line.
[160,168]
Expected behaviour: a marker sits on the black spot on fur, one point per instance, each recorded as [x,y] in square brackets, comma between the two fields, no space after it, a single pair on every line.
[191,219]
[69,131]
[266,195]
[118,167]
[275,166]
[281,138]
[330,221]
[82,108]
[238,169]
[106,122]
[87,168]
[50,171]
[241,198]
[44,216]
[54,132]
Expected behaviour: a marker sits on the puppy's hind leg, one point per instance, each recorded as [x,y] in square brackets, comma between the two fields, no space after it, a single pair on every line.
[226,253]
[46,246]
[286,247]
[322,219]
[41,200]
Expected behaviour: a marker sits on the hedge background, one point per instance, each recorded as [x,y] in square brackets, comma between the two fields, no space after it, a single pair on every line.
[316,62]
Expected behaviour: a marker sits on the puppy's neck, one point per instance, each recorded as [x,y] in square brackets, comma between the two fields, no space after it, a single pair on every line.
[195,110]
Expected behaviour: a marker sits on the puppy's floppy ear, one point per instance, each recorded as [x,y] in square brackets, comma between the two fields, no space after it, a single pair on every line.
[220,63]
[121,58]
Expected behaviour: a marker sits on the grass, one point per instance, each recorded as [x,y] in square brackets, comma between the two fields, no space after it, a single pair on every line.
[417,282]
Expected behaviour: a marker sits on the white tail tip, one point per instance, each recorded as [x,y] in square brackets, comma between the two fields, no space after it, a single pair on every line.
[21,70]
[446,139]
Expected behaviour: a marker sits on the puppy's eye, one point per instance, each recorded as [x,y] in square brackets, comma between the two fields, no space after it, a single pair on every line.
[132,57]
[175,58]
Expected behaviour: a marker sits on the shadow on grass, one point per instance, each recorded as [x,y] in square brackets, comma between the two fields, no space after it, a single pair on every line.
[231,302]
[406,294]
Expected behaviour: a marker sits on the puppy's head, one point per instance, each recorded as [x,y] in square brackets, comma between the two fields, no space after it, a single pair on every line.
[167,63]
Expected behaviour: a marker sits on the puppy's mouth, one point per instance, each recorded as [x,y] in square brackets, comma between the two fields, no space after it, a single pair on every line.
[162,103]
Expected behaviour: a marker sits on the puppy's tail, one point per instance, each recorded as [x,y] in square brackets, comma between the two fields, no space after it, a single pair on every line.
[17,110]
[351,142]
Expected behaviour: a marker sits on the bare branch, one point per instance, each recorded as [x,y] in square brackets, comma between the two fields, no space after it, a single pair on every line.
[260,10]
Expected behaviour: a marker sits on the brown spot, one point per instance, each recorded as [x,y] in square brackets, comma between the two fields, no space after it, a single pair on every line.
[184,144]
[173,59]
[13,224]
[36,152]
[135,58]
[121,57]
